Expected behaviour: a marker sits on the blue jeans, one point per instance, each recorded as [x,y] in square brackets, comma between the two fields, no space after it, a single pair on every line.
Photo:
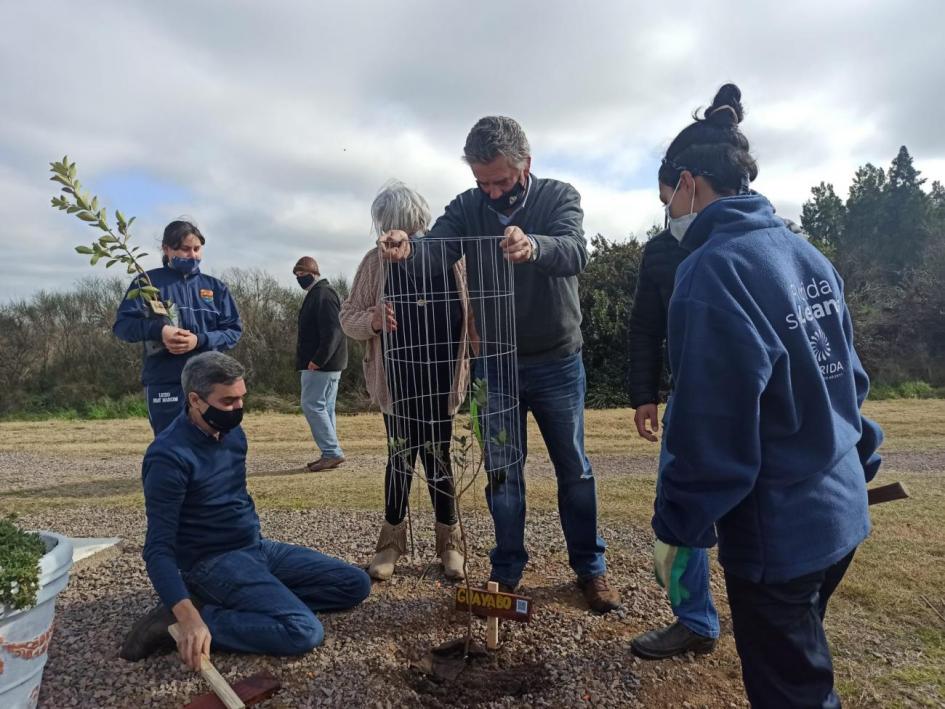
[164,402]
[319,393]
[698,611]
[263,599]
[554,392]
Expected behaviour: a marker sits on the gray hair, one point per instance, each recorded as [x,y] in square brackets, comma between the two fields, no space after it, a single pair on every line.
[493,136]
[207,369]
[399,207]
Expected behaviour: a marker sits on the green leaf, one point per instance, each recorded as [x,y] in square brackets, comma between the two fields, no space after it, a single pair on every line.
[133,293]
[111,263]
[84,250]
[150,290]
[130,221]
[141,254]
[60,180]
[95,259]
[72,210]
[94,207]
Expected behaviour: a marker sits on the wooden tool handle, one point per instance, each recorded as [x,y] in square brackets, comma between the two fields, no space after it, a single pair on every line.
[219,685]
[886,493]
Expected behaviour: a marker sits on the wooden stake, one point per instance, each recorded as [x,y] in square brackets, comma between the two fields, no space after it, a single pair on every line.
[492,623]
[219,685]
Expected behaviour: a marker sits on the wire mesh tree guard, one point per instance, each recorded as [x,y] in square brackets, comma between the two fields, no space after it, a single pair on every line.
[441,314]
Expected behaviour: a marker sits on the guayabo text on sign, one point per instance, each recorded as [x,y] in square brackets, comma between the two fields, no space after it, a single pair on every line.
[508,606]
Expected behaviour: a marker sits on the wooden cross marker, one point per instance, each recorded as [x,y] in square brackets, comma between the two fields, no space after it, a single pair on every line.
[492,604]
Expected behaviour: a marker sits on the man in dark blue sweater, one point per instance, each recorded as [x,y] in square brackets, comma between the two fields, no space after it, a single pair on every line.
[215,574]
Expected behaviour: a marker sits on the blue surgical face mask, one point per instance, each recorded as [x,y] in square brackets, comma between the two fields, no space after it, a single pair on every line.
[186,266]
[678,226]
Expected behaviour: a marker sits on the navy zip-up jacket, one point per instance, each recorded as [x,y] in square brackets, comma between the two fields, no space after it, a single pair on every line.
[196,502]
[766,443]
[206,309]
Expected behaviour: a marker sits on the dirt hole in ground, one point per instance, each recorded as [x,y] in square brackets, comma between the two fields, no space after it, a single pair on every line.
[484,680]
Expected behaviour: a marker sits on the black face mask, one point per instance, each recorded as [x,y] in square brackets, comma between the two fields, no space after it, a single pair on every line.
[221,420]
[507,200]
[305,281]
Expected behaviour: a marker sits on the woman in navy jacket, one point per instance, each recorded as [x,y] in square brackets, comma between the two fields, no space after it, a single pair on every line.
[767,451]
[207,320]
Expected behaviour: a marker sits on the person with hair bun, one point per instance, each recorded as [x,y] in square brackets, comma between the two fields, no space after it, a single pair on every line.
[766,451]
[207,320]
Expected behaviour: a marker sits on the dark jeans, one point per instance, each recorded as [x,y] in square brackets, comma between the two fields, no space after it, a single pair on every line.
[430,441]
[779,634]
[263,599]
[164,402]
[554,392]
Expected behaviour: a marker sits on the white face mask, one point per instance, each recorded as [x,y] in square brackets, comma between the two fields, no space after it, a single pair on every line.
[678,226]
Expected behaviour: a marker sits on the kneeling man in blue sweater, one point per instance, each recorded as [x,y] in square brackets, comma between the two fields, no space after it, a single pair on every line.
[216,575]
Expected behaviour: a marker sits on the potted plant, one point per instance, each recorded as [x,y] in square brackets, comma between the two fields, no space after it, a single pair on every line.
[34,568]
[114,248]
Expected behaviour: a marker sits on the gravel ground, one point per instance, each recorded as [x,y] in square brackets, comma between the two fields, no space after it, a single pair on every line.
[565,657]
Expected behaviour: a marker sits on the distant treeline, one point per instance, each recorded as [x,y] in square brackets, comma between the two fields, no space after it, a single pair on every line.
[58,355]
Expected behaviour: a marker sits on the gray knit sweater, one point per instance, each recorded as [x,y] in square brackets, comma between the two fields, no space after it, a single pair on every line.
[547,309]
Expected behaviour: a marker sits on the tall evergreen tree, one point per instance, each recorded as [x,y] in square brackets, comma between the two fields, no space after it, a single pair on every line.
[823,219]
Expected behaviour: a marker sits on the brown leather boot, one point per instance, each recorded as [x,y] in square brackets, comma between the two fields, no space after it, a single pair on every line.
[391,545]
[449,546]
[598,594]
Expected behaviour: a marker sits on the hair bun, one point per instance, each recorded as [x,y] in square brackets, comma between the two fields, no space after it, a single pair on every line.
[726,106]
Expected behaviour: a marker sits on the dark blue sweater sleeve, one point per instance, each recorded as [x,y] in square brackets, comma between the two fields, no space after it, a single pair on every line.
[720,369]
[229,326]
[871,436]
[165,484]
[132,321]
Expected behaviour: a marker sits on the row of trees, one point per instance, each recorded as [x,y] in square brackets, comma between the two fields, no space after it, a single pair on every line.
[57,351]
[887,240]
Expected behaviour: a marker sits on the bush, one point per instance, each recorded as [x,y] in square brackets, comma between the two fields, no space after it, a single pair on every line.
[20,553]
[607,286]
[913,389]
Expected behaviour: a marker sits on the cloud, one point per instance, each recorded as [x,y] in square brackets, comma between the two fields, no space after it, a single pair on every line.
[273,125]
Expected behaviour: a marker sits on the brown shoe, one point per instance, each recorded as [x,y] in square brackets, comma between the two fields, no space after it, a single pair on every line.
[598,594]
[324,464]
[148,635]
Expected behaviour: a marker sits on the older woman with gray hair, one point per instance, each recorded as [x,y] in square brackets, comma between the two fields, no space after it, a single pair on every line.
[416,368]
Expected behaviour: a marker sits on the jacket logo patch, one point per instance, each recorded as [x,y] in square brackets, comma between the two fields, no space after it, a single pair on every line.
[206,294]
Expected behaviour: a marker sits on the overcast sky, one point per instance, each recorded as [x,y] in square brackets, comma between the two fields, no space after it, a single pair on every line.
[272,124]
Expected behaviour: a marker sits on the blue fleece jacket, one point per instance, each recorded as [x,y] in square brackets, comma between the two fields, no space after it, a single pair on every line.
[206,309]
[196,502]
[765,440]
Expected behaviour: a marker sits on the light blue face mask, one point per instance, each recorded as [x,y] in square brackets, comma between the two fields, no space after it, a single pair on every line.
[678,226]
